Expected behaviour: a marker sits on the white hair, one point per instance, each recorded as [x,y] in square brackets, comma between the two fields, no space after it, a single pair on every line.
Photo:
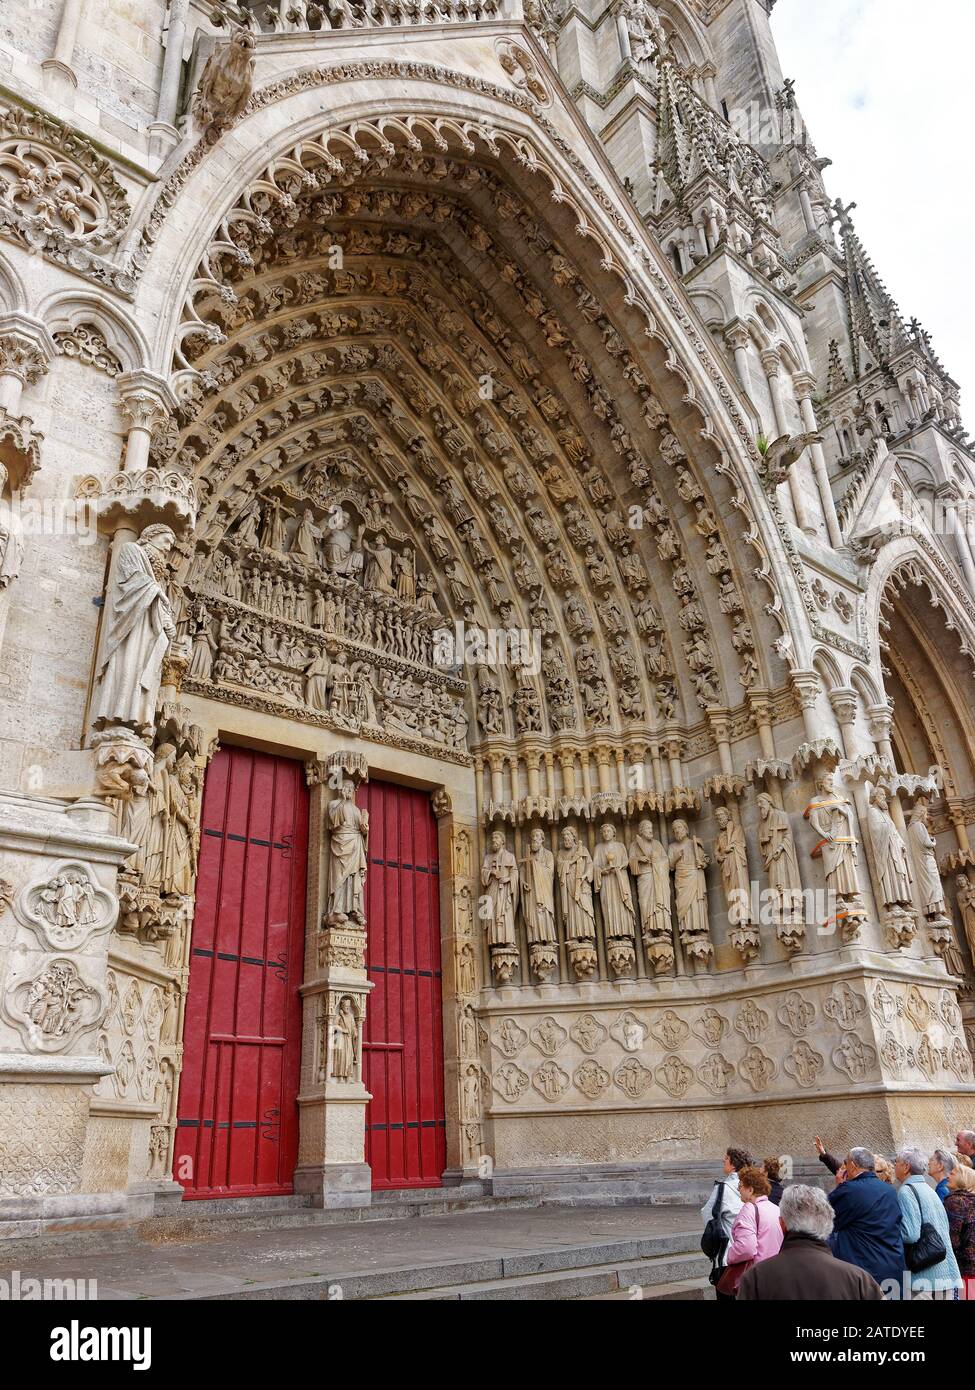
[864,1159]
[913,1159]
[806,1210]
[945,1159]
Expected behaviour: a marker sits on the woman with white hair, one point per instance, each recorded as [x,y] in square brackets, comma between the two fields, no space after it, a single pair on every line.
[939,1167]
[805,1269]
[923,1215]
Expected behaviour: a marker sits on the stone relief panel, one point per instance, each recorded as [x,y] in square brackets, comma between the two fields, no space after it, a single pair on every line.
[814,1039]
[67,907]
[55,1008]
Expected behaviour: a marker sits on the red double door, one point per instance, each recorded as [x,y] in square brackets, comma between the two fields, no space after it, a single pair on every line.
[237,1127]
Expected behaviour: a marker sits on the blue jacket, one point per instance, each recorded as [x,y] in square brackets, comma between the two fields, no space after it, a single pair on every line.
[867,1231]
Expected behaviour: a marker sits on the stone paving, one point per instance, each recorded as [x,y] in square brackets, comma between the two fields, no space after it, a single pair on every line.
[469,1244]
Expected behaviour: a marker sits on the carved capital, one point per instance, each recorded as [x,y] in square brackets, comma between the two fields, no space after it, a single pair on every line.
[146,399]
[21,358]
[808,688]
[771,363]
[805,385]
[844,701]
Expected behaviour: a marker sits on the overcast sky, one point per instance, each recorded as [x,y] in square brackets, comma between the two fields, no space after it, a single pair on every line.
[887,90]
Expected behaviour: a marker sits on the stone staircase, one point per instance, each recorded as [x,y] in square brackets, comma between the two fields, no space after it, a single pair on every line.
[658,1267]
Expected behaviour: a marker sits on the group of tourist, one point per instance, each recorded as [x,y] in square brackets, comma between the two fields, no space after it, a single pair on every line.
[889,1229]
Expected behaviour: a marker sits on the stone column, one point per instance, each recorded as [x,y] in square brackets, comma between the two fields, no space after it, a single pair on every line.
[623,35]
[881,721]
[737,340]
[948,496]
[59,75]
[772,366]
[805,202]
[805,384]
[332,1099]
[468,1156]
[163,134]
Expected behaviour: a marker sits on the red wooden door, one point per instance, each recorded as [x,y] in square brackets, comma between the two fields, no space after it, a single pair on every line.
[237,1130]
[403,1037]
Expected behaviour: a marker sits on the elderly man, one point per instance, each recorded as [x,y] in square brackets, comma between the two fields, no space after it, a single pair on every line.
[806,1269]
[965,1144]
[867,1225]
[919,1203]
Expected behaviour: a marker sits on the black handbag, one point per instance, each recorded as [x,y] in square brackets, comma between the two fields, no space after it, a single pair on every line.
[714,1241]
[929,1249]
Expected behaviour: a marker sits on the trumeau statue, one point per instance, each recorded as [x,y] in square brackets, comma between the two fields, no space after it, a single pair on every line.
[348,834]
[499,876]
[139,627]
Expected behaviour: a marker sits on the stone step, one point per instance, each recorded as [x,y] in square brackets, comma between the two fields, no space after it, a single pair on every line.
[590,1268]
[681,1290]
[206,1219]
[614,1280]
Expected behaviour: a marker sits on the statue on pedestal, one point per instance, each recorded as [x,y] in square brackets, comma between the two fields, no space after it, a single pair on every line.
[538,905]
[688,862]
[832,817]
[650,867]
[782,866]
[139,627]
[575,873]
[893,871]
[612,882]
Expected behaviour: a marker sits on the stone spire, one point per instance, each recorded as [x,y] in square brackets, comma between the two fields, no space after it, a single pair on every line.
[878,332]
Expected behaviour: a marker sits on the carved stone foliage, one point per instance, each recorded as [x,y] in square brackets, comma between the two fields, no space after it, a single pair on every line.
[59,196]
[67,907]
[54,1008]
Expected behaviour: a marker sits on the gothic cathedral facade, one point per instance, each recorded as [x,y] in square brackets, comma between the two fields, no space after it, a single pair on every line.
[487,611]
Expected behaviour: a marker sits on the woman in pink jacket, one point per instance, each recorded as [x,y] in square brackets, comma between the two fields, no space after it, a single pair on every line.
[757,1234]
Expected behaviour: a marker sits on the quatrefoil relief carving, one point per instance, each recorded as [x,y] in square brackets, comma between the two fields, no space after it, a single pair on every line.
[67,907]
